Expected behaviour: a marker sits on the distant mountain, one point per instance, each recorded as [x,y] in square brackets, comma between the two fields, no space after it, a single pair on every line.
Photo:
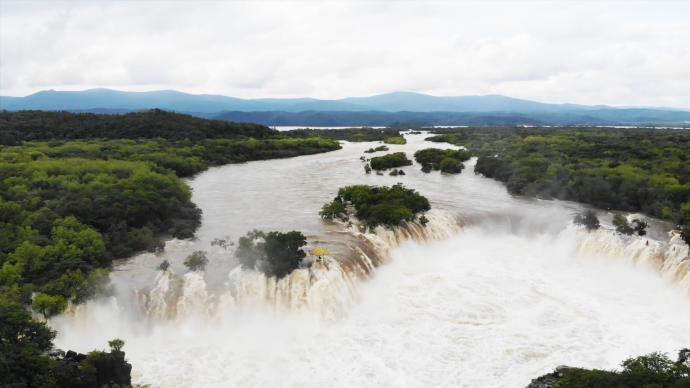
[380,109]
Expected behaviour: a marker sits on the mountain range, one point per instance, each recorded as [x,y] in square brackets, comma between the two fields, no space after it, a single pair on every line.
[383,109]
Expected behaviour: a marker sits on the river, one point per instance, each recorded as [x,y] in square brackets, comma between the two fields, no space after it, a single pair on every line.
[495,291]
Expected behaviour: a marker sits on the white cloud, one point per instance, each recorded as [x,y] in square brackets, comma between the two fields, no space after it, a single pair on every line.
[617,53]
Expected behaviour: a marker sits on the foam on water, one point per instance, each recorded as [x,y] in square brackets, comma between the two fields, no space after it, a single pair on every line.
[479,309]
[493,299]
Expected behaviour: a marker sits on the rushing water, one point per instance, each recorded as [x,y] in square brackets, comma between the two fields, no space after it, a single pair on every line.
[493,292]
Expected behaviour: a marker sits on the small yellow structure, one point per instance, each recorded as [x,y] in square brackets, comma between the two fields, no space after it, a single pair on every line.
[320,252]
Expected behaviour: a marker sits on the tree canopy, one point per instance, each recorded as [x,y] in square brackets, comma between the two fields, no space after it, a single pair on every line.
[377,205]
[396,159]
[631,169]
[274,253]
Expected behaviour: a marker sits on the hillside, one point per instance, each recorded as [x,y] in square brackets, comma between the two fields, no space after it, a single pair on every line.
[39,125]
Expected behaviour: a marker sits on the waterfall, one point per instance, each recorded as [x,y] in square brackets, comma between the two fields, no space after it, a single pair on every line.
[327,287]
[670,258]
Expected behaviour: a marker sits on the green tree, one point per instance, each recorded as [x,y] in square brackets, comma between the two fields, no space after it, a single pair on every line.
[49,305]
[116,344]
[197,261]
[451,166]
[588,219]
[23,343]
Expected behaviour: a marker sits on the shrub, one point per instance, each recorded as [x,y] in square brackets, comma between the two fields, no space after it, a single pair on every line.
[274,253]
[334,209]
[197,261]
[396,159]
[395,140]
[588,219]
[451,166]
[448,161]
[164,265]
[622,225]
[377,149]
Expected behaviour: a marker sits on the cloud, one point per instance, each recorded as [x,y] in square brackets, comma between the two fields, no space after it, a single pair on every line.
[617,53]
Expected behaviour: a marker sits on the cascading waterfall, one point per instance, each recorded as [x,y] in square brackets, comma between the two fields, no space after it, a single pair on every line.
[670,258]
[509,293]
[327,287]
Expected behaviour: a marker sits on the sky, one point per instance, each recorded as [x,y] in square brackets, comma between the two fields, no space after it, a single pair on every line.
[589,52]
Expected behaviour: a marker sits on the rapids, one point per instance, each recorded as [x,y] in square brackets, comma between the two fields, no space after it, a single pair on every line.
[494,291]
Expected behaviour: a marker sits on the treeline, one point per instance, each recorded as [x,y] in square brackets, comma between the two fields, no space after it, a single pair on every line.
[635,170]
[16,127]
[349,134]
[184,157]
[647,371]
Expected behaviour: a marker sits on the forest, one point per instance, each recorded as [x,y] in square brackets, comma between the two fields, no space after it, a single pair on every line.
[78,191]
[630,169]
[349,134]
[16,127]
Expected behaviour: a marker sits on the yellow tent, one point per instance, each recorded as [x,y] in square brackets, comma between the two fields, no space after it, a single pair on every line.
[319,251]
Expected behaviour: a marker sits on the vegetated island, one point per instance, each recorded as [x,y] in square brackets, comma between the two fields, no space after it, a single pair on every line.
[447,161]
[384,162]
[348,134]
[377,149]
[80,190]
[643,170]
[377,205]
[651,370]
[395,140]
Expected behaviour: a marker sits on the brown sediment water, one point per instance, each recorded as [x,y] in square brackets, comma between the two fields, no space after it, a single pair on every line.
[493,291]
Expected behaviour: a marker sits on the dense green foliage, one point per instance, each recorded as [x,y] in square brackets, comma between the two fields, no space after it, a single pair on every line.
[25,361]
[588,219]
[649,371]
[395,140]
[349,134]
[184,157]
[374,205]
[196,261]
[396,159]
[448,161]
[637,170]
[16,127]
[62,219]
[274,253]
[68,208]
